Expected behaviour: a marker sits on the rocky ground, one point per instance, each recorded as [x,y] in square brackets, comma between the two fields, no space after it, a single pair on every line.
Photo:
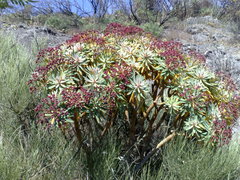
[27,35]
[213,39]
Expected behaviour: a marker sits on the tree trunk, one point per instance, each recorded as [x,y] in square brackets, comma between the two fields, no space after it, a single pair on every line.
[150,5]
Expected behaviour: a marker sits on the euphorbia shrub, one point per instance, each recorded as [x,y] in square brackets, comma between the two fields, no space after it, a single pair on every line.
[124,74]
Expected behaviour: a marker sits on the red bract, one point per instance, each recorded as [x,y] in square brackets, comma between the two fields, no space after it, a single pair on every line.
[173,59]
[115,28]
[87,37]
[222,132]
[54,60]
[166,45]
[108,97]
[201,58]
[81,98]
[117,77]
[76,98]
[171,51]
[49,110]
[119,71]
[48,52]
[230,110]
[227,79]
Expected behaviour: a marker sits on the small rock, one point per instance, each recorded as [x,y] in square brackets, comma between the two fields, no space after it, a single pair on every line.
[220,37]
[22,26]
[194,30]
[201,37]
[49,31]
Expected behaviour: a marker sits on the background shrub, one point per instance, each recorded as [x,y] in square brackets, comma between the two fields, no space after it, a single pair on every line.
[153,28]
[63,22]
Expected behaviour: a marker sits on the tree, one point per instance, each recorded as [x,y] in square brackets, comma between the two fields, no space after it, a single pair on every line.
[65,7]
[99,7]
[7,3]
[150,5]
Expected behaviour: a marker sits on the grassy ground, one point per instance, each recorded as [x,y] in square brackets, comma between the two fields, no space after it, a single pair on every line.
[28,151]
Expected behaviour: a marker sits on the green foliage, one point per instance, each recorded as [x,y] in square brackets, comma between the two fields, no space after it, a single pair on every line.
[61,21]
[186,160]
[7,3]
[15,64]
[108,165]
[40,155]
[153,28]
[16,67]
[89,24]
[56,22]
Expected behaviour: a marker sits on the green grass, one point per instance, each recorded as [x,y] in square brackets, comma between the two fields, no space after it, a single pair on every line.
[14,73]
[27,151]
[40,155]
[153,28]
[186,160]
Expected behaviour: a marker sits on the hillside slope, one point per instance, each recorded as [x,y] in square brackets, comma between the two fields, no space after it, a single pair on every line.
[213,39]
[27,35]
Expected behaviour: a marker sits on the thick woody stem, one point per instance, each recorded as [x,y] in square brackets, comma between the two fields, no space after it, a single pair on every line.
[145,114]
[132,127]
[167,139]
[164,141]
[76,126]
[78,133]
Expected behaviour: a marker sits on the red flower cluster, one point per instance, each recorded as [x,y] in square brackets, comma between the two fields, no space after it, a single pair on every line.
[166,45]
[87,37]
[222,132]
[116,28]
[76,97]
[55,59]
[108,97]
[50,109]
[171,51]
[201,58]
[120,71]
[227,79]
[230,110]
[48,52]
[173,59]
